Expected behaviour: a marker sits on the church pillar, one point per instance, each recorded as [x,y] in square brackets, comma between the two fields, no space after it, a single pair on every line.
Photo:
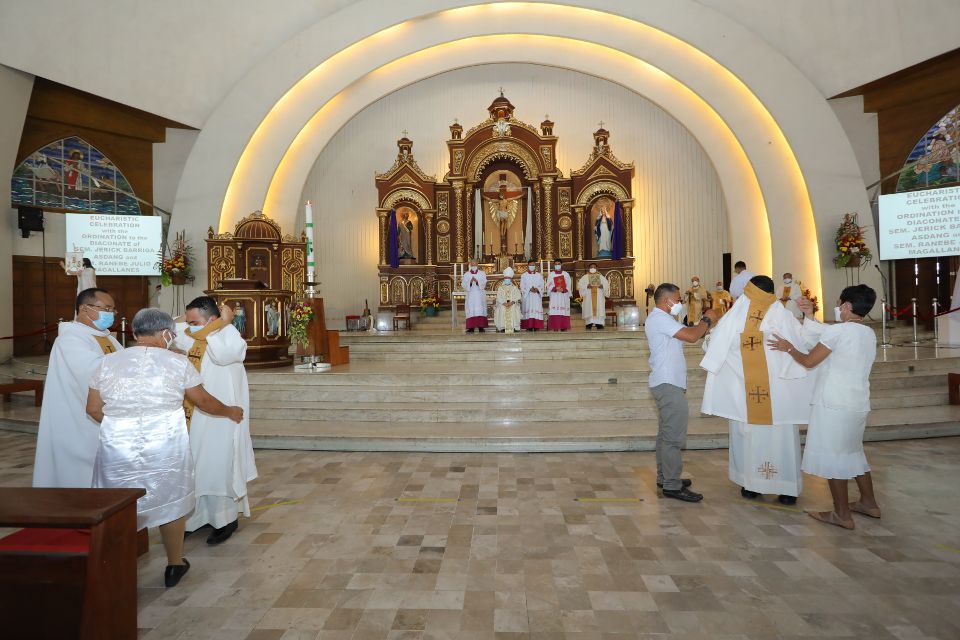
[382,215]
[578,209]
[548,214]
[428,235]
[458,196]
[471,250]
[627,228]
[538,221]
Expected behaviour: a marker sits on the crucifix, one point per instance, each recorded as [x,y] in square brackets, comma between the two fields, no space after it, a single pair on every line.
[404,132]
[759,395]
[501,92]
[752,343]
[601,124]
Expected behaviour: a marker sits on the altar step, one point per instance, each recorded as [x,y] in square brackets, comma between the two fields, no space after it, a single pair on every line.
[705,432]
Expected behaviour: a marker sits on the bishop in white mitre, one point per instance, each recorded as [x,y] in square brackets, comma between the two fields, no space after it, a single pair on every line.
[222,449]
[594,287]
[531,288]
[789,293]
[67,438]
[474,285]
[559,288]
[763,393]
[507,314]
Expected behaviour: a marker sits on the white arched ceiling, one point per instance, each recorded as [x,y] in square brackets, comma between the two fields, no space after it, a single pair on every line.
[797,150]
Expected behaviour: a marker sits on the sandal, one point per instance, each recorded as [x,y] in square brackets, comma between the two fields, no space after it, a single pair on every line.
[872,512]
[830,517]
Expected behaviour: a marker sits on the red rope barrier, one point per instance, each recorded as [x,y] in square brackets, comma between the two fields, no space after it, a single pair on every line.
[943,313]
[31,333]
[894,313]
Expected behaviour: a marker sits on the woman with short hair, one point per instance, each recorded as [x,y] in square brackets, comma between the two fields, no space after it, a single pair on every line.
[137,397]
[841,402]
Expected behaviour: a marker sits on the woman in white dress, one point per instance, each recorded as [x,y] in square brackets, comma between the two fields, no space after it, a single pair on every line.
[841,402]
[86,275]
[137,397]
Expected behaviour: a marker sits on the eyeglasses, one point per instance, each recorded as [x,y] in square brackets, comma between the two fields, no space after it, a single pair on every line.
[102,308]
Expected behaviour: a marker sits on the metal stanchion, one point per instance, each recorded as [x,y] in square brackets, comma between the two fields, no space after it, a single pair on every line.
[936,329]
[885,339]
[123,331]
[913,303]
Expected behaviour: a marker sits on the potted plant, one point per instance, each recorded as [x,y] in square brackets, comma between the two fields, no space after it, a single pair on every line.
[176,261]
[852,249]
[576,301]
[430,305]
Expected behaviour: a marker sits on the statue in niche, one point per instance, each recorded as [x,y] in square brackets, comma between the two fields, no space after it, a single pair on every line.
[603,228]
[405,235]
[503,205]
[240,318]
[273,319]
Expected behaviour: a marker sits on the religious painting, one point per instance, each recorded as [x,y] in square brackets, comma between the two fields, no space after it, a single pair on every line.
[408,236]
[601,226]
[272,318]
[72,175]
[504,213]
[241,317]
[258,265]
[935,158]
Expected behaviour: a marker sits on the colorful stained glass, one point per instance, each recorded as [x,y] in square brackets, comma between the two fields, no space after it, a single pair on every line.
[936,157]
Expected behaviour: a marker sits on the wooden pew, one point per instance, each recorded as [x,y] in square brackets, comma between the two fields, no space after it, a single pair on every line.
[71,572]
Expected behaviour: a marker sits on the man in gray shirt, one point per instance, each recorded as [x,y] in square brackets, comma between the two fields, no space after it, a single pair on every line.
[668,384]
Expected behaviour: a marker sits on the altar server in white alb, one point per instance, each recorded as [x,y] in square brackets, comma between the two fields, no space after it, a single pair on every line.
[531,287]
[740,280]
[560,287]
[594,287]
[507,314]
[222,450]
[474,283]
[763,393]
[789,293]
[68,438]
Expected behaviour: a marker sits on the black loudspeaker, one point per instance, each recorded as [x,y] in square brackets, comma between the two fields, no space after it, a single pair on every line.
[29,219]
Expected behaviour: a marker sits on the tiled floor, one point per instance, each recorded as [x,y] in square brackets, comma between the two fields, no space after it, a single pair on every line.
[379,545]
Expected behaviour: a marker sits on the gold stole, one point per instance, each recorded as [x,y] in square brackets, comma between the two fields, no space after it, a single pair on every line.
[195,356]
[753,353]
[786,294]
[594,287]
[105,344]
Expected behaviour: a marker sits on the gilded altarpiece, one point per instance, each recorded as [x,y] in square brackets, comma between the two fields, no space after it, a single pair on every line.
[508,168]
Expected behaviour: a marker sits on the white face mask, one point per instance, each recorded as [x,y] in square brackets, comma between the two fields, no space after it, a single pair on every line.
[676,309]
[531,268]
[695,283]
[836,314]
[593,269]
[507,281]
[787,281]
[719,287]
[556,267]
[473,269]
[169,342]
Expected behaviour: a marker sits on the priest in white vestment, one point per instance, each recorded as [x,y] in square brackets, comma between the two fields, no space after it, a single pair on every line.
[222,450]
[531,288]
[763,393]
[559,287]
[594,287]
[474,284]
[789,293]
[740,280]
[507,314]
[67,438]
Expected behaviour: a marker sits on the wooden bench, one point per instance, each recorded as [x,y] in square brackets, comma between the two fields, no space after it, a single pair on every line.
[23,384]
[71,572]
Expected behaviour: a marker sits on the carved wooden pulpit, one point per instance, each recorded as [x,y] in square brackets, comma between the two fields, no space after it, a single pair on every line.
[258,271]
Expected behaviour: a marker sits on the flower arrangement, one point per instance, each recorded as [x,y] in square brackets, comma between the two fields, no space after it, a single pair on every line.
[429,302]
[576,301]
[851,244]
[300,316]
[176,261]
[808,294]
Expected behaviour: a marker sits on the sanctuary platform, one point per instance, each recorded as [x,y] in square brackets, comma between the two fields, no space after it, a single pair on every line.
[434,388]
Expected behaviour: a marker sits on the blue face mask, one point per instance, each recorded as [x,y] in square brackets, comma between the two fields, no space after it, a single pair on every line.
[104,321]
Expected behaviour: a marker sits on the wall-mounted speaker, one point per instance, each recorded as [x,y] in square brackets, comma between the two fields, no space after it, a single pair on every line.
[29,219]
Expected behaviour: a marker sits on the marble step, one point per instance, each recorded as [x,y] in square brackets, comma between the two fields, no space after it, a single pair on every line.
[519,408]
[630,435]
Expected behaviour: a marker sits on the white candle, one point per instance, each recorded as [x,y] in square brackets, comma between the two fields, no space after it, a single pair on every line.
[311,266]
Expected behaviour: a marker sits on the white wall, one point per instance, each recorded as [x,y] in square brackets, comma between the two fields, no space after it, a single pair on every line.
[679,202]
[169,158]
[15,88]
[179,58]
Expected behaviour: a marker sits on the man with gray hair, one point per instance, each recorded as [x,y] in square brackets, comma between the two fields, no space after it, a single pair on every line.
[222,451]
[668,385]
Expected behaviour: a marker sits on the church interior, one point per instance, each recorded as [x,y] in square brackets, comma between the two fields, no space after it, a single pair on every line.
[358,184]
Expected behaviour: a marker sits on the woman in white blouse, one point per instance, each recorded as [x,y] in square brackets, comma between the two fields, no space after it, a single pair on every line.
[841,402]
[137,397]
